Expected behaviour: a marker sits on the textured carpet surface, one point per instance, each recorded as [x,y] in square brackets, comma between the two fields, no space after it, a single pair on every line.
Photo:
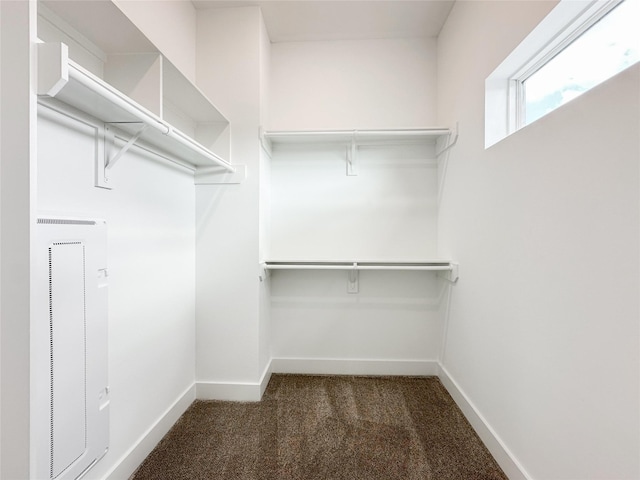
[326,428]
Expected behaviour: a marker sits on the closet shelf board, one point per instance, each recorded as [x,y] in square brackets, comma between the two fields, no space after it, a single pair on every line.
[359,137]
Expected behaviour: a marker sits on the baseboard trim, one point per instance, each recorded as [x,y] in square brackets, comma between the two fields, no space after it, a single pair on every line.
[252,392]
[325,366]
[266,376]
[230,391]
[143,447]
[235,391]
[512,468]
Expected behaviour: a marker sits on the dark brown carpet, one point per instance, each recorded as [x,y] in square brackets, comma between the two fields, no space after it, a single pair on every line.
[326,428]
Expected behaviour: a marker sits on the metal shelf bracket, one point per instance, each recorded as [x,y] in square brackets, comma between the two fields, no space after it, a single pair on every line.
[449,144]
[110,154]
[353,285]
[113,155]
[265,273]
[452,274]
[352,156]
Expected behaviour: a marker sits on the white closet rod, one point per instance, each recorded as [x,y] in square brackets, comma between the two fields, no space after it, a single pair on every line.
[193,145]
[113,96]
[358,133]
[345,267]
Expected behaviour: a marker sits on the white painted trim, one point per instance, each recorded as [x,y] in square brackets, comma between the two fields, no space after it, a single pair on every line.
[341,366]
[230,391]
[264,380]
[507,461]
[238,391]
[143,447]
[566,17]
[235,391]
[252,392]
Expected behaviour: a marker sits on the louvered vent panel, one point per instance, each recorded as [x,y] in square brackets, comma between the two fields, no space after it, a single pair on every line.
[67,332]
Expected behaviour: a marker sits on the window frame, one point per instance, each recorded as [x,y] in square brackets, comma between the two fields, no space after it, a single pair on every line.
[562,40]
[504,88]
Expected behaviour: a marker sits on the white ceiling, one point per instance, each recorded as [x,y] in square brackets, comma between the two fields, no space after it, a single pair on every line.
[308,20]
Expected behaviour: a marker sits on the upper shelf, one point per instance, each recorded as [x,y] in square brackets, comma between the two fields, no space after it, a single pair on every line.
[66,81]
[353,139]
[95,59]
[438,136]
[360,137]
[104,41]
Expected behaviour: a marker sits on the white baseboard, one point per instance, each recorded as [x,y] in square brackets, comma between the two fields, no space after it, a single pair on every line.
[231,391]
[234,391]
[494,444]
[324,366]
[138,452]
[266,376]
[253,392]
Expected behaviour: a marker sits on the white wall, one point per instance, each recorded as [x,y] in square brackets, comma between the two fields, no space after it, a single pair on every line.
[392,326]
[150,215]
[358,84]
[388,212]
[17,198]
[170,25]
[229,50]
[543,324]
[265,202]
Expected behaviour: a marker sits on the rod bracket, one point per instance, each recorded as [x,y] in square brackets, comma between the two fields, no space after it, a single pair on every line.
[265,273]
[353,285]
[352,157]
[450,143]
[452,274]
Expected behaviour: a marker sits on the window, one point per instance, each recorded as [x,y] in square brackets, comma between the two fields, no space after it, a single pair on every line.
[609,46]
[576,47]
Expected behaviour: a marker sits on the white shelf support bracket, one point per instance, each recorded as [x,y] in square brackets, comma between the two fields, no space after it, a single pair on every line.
[354,278]
[108,155]
[352,156]
[450,144]
[111,160]
[265,143]
[452,275]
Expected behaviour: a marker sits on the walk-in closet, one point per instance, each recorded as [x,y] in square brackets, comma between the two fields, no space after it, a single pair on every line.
[335,224]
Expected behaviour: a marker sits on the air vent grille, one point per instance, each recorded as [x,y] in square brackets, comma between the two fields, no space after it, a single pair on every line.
[64,221]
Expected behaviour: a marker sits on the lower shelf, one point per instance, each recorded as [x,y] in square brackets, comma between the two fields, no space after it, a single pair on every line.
[431,265]
[355,266]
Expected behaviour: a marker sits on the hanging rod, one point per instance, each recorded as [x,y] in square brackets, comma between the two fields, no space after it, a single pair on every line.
[426,266]
[449,270]
[113,96]
[358,136]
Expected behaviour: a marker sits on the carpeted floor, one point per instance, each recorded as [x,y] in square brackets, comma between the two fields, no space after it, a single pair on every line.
[326,428]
